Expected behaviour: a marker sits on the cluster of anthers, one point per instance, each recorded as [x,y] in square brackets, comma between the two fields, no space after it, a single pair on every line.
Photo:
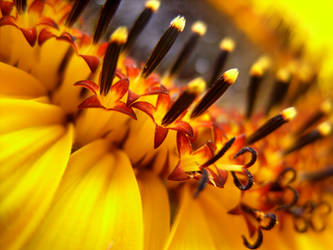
[193,140]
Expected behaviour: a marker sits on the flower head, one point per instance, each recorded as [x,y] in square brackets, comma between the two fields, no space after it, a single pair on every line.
[100,152]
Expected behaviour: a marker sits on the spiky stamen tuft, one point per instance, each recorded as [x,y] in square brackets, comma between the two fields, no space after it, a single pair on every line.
[163,46]
[194,89]
[324,129]
[117,40]
[198,30]
[76,11]
[107,12]
[272,124]
[215,92]
[280,89]
[141,22]
[227,45]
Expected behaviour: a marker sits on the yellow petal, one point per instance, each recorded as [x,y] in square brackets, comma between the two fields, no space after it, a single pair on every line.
[23,146]
[190,230]
[17,114]
[18,83]
[156,211]
[76,70]
[97,206]
[50,56]
[27,192]
[226,229]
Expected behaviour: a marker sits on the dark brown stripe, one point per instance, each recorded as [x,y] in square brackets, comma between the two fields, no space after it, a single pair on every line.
[278,94]
[214,93]
[252,92]
[311,121]
[137,28]
[109,66]
[185,53]
[180,105]
[21,6]
[270,126]
[309,138]
[76,11]
[108,10]
[160,50]
[218,66]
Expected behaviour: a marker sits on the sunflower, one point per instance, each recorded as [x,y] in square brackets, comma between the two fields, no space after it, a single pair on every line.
[101,152]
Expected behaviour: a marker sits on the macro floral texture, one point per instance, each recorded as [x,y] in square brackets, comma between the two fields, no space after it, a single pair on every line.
[99,151]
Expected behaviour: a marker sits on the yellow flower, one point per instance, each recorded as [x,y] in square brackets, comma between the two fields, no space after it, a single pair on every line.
[100,153]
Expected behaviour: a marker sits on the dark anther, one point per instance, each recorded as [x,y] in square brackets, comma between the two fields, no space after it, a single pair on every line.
[76,11]
[319,175]
[322,209]
[253,155]
[202,183]
[180,105]
[239,184]
[117,40]
[220,153]
[256,244]
[163,46]
[21,5]
[108,10]
[219,87]
[293,200]
[198,30]
[226,47]
[271,125]
[312,120]
[279,91]
[301,227]
[140,23]
[284,174]
[256,78]
[318,133]
[272,221]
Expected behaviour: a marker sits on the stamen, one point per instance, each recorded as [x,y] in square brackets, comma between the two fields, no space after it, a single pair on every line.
[227,45]
[283,179]
[321,131]
[293,200]
[195,87]
[307,79]
[117,40]
[224,149]
[107,12]
[215,92]
[141,22]
[253,155]
[271,223]
[301,224]
[256,244]
[76,11]
[256,76]
[324,110]
[280,89]
[198,30]
[21,5]
[239,184]
[272,124]
[202,183]
[163,46]
[318,175]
